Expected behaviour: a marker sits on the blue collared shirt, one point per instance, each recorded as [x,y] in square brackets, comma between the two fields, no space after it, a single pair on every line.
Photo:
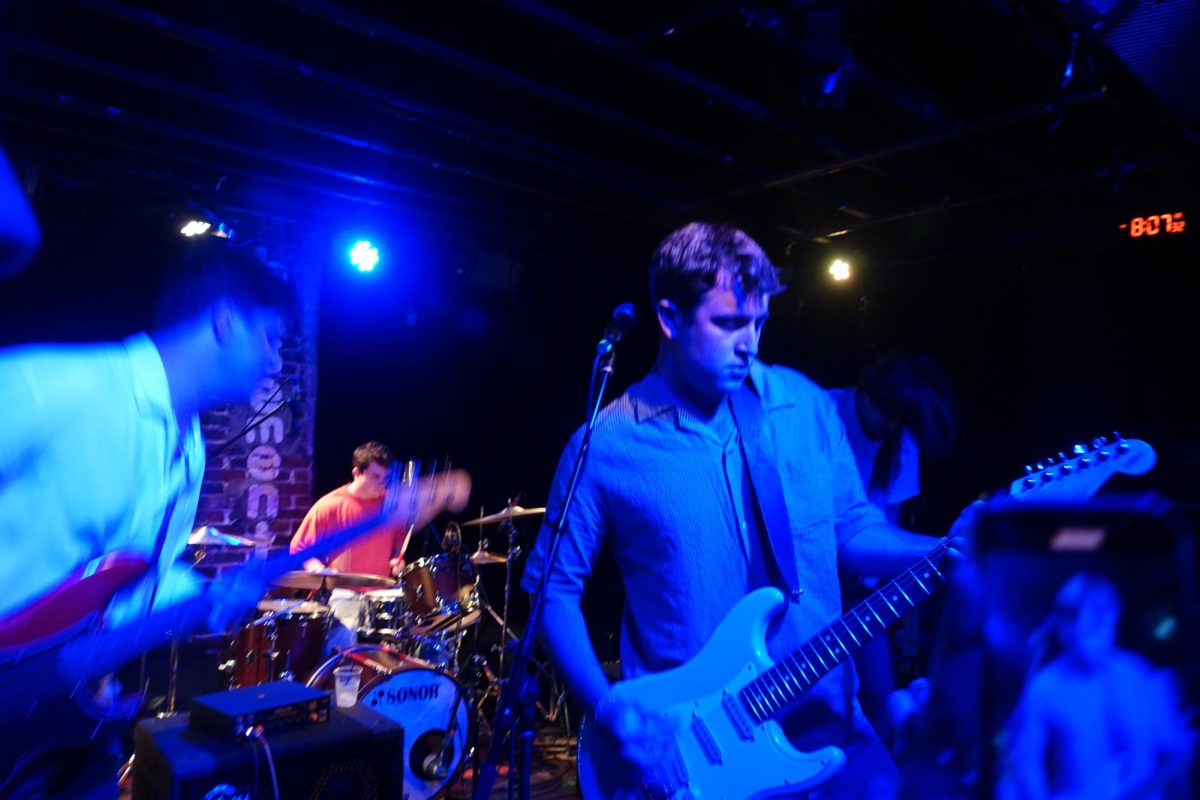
[665,490]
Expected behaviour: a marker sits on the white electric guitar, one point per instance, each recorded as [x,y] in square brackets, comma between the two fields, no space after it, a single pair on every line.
[722,704]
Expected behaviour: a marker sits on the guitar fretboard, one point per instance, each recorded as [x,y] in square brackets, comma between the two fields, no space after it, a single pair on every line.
[798,672]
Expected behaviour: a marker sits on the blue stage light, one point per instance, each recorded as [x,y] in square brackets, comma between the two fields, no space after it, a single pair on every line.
[364,256]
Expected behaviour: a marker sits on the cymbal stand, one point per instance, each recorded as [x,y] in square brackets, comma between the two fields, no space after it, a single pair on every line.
[515,712]
[173,656]
[514,550]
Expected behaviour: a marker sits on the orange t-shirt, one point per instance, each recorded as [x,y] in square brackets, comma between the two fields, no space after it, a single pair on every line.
[371,553]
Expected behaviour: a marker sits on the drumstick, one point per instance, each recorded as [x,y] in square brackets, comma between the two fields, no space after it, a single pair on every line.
[382,669]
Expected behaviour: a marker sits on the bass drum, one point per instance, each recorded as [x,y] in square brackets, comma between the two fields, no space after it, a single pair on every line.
[422,699]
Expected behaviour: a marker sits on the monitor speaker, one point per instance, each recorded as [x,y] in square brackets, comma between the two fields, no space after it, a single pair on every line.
[356,755]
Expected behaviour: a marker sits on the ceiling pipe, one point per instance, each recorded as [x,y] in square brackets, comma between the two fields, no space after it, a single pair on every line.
[175,89]
[710,90]
[497,224]
[654,35]
[1016,191]
[914,144]
[454,124]
[381,30]
[188,134]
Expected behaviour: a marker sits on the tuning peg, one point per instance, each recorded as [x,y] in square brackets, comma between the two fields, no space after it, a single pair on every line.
[1103,455]
[1040,466]
[1116,436]
[1079,449]
[1028,469]
[1050,462]
[1084,463]
[1047,476]
[1123,447]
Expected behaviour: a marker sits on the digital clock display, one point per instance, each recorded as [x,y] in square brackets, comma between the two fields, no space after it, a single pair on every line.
[1154,224]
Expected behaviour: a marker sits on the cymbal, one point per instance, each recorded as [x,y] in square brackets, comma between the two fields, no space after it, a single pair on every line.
[207,535]
[484,557]
[508,513]
[331,579]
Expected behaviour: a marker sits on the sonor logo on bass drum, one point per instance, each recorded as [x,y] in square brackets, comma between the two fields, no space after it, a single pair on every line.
[403,694]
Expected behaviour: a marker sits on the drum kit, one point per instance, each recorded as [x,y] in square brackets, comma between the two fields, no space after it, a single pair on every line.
[414,642]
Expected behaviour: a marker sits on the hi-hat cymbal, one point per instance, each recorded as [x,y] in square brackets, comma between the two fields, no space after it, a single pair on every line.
[508,513]
[206,536]
[331,579]
[484,557]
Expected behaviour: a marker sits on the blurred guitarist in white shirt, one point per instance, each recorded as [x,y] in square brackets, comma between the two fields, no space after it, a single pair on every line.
[101,451]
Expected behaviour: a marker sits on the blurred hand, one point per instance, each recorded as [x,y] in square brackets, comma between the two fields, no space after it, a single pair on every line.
[638,736]
[414,505]
[961,538]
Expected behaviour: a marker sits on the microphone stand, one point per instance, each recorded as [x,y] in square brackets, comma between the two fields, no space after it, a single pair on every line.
[516,710]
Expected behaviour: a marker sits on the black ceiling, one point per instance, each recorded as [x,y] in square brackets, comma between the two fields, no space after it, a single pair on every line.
[593,125]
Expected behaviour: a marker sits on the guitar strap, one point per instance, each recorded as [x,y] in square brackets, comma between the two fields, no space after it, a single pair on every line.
[758,453]
[159,544]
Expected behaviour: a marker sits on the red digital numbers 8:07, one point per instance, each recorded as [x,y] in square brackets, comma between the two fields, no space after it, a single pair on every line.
[1155,224]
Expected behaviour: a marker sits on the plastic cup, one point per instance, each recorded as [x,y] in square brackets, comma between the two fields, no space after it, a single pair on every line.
[345,684]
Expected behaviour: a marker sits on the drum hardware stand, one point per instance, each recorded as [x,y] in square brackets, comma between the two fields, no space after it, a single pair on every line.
[173,657]
[516,710]
[513,551]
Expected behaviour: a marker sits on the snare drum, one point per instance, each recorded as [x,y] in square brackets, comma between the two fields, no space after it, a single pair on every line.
[421,699]
[440,591]
[385,613]
[285,642]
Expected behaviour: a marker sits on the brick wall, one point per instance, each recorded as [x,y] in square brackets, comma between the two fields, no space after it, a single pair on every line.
[260,484]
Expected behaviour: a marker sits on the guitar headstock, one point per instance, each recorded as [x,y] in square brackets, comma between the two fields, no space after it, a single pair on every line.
[1080,474]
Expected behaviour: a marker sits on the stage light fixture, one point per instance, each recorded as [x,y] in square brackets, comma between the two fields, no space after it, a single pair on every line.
[195,227]
[840,270]
[200,227]
[364,256]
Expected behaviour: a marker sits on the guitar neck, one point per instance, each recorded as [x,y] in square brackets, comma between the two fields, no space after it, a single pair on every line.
[798,672]
[1075,477]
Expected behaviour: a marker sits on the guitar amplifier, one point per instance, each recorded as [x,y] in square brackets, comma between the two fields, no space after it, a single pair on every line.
[357,755]
[271,707]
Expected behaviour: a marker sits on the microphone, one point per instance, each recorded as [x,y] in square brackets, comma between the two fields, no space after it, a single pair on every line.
[623,319]
[434,766]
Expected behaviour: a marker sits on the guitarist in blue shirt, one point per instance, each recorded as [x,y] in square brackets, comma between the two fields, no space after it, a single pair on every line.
[711,477]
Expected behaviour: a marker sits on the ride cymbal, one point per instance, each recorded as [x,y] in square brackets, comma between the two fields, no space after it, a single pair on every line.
[332,579]
[508,513]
